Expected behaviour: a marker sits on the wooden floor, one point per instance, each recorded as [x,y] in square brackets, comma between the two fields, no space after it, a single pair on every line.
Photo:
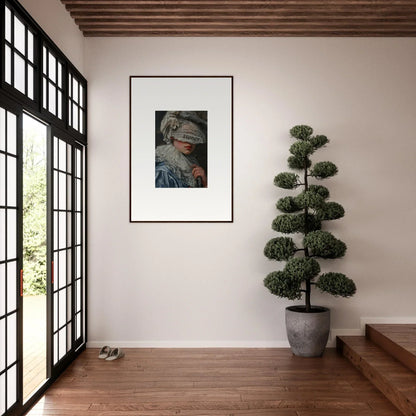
[398,340]
[386,355]
[220,382]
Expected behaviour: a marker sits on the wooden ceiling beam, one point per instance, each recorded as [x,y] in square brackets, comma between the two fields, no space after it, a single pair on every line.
[248,26]
[250,33]
[244,17]
[266,3]
[232,23]
[241,7]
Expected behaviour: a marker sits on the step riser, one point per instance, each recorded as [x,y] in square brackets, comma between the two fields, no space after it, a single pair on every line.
[396,397]
[395,350]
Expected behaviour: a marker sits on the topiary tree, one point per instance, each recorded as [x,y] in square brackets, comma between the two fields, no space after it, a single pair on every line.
[304,214]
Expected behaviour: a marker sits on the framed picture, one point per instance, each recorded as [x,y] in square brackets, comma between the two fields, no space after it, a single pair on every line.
[181,149]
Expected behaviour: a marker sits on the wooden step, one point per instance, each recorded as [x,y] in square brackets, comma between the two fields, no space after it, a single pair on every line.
[393,379]
[398,340]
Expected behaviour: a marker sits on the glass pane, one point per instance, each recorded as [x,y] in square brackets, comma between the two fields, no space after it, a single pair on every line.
[59,105]
[2,234]
[55,348]
[2,344]
[44,94]
[8,25]
[11,234]
[44,66]
[55,270]
[78,295]
[2,180]
[55,230]
[70,86]
[69,188]
[19,73]
[2,130]
[78,163]
[52,68]
[62,230]
[78,229]
[55,312]
[62,155]
[75,90]
[11,133]
[59,75]
[69,113]
[55,152]
[55,189]
[62,269]
[60,280]
[30,81]
[78,262]
[81,121]
[62,343]
[78,319]
[8,66]
[19,35]
[74,116]
[62,190]
[68,336]
[11,181]
[69,267]
[30,44]
[78,196]
[69,304]
[62,307]
[11,386]
[69,161]
[52,99]
[81,95]
[11,339]
[68,222]
[2,293]
[3,394]
[11,286]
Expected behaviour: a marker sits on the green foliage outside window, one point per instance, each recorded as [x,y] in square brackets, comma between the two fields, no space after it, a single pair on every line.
[34,216]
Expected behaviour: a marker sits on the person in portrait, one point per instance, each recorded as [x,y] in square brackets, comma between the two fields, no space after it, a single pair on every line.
[176,164]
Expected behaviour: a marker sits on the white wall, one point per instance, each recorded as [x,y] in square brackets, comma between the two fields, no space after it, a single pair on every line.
[54,19]
[201,284]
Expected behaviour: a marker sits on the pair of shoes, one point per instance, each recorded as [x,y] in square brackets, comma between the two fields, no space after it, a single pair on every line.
[110,354]
[115,354]
[104,352]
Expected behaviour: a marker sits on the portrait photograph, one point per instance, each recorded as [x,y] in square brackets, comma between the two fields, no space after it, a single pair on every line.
[181,149]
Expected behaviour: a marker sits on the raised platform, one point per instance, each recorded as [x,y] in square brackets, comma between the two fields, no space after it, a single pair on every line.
[386,355]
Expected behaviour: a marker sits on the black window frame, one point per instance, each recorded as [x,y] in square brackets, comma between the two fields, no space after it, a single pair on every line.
[14,100]
[36,106]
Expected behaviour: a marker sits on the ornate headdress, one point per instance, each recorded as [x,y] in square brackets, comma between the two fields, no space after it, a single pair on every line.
[185,126]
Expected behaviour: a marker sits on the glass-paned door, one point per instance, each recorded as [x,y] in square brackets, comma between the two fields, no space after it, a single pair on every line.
[10,261]
[67,271]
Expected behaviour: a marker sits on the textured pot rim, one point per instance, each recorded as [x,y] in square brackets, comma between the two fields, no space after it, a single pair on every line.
[315,309]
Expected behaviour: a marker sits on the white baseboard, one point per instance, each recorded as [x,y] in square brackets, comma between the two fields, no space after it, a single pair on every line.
[251,344]
[339,332]
[390,320]
[190,344]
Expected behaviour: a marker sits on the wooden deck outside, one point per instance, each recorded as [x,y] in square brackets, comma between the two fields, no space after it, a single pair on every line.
[34,344]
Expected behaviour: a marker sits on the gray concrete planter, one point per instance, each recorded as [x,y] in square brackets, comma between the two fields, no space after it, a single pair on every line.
[307,332]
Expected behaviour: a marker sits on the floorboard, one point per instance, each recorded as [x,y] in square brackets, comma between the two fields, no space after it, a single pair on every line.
[220,382]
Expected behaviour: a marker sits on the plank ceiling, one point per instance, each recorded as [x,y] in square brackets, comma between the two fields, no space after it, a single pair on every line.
[244,17]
